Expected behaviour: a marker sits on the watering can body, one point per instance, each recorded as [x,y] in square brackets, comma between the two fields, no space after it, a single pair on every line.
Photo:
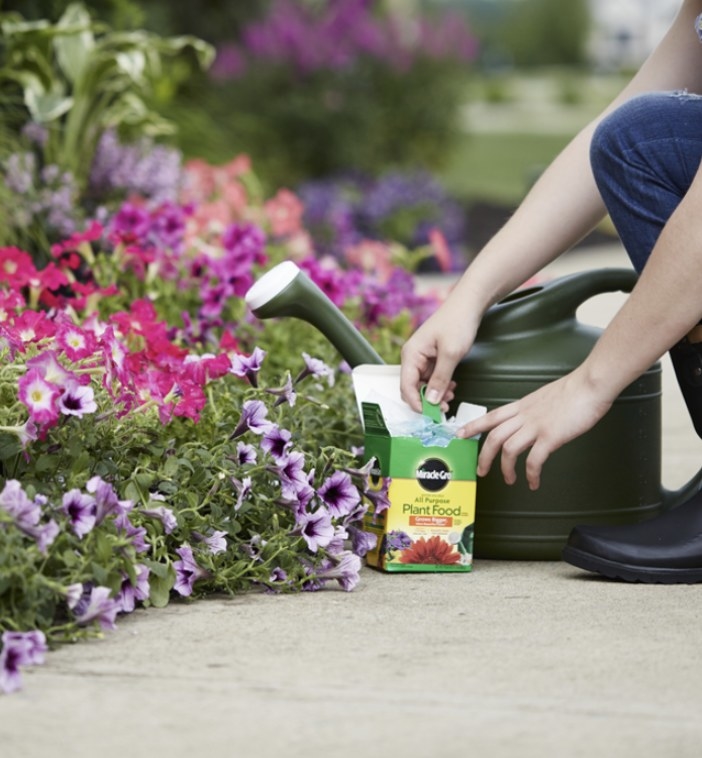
[609,475]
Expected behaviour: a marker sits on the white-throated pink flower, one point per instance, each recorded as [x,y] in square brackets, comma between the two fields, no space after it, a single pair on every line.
[40,397]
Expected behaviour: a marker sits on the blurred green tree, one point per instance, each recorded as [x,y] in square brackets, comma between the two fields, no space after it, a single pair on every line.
[547,32]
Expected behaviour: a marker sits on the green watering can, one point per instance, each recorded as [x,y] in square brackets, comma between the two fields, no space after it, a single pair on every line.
[610,475]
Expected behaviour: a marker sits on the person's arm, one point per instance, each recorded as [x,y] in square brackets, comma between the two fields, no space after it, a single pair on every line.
[663,306]
[561,208]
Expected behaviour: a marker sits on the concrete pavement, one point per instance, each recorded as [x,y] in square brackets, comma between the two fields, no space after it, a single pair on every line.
[516,659]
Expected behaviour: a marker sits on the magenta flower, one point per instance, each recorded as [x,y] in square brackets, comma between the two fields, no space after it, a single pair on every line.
[40,397]
[130,222]
[50,369]
[187,571]
[80,511]
[77,400]
[277,443]
[97,605]
[247,240]
[247,367]
[19,649]
[339,494]
[77,343]
[316,528]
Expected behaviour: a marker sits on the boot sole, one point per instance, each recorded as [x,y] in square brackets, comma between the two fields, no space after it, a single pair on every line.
[629,573]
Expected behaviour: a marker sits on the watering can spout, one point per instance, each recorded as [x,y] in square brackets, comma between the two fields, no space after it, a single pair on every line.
[285,290]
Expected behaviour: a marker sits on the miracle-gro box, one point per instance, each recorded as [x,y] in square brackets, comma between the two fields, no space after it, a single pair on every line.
[431,489]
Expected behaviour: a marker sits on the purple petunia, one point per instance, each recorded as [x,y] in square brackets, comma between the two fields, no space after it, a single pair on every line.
[187,571]
[253,419]
[345,568]
[19,649]
[339,494]
[106,500]
[243,490]
[77,400]
[316,528]
[317,368]
[129,593]
[216,542]
[27,513]
[248,366]
[97,605]
[80,510]
[164,515]
[245,453]
[292,475]
[277,443]
[284,394]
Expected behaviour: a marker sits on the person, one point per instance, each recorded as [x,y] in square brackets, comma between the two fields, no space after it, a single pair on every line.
[639,161]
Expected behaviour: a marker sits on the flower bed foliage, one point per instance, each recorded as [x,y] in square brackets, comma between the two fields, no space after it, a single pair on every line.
[157,441]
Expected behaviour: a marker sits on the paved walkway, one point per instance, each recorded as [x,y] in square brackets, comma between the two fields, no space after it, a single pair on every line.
[516,659]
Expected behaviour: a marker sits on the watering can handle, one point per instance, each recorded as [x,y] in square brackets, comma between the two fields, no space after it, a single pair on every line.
[541,306]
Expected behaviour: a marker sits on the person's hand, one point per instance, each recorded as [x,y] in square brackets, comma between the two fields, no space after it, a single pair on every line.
[540,422]
[430,357]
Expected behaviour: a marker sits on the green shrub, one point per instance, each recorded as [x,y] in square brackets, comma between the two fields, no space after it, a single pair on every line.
[309,93]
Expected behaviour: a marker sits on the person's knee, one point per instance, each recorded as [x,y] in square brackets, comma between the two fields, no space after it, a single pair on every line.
[643,118]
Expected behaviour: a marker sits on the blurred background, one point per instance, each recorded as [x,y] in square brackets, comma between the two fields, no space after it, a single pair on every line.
[389,118]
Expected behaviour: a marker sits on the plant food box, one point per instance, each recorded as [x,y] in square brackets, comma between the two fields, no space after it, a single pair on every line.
[431,488]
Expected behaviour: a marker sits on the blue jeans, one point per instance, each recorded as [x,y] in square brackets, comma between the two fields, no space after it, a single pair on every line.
[644,157]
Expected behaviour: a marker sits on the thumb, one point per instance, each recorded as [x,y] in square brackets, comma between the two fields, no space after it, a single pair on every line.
[440,379]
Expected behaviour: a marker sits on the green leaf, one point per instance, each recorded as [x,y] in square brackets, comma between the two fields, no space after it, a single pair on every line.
[74,48]
[160,588]
[132,492]
[9,446]
[46,107]
[100,574]
[156,568]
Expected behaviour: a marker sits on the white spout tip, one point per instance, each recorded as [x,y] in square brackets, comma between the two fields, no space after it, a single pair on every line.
[272,283]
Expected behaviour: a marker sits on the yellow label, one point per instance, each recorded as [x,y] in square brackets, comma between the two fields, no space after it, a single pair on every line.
[423,528]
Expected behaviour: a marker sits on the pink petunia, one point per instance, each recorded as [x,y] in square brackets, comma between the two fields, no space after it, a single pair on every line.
[77,343]
[284,211]
[40,397]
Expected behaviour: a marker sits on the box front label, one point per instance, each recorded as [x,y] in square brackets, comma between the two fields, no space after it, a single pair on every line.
[424,530]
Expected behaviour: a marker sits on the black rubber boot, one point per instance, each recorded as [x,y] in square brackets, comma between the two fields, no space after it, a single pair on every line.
[666,549]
